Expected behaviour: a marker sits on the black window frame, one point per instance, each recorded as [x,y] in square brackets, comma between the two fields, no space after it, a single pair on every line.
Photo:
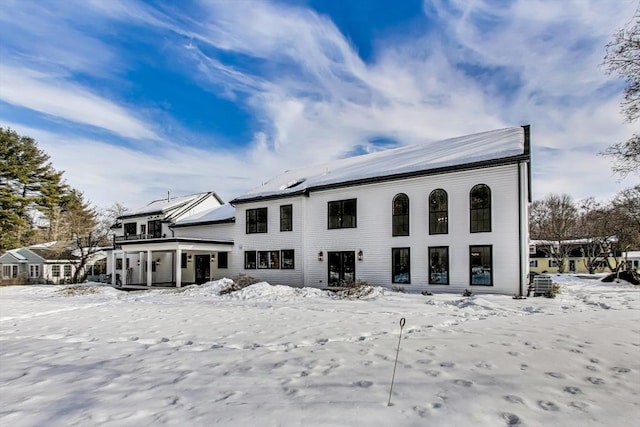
[183,260]
[56,270]
[223,260]
[286,218]
[431,250]
[480,209]
[269,256]
[400,215]
[256,220]
[396,255]
[287,259]
[478,248]
[337,214]
[130,228]
[119,263]
[438,218]
[154,228]
[250,260]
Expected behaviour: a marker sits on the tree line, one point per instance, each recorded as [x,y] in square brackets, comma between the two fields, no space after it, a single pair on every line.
[602,231]
[37,205]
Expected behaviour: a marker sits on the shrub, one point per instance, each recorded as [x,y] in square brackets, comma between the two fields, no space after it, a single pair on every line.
[426,293]
[400,289]
[467,293]
[354,289]
[239,282]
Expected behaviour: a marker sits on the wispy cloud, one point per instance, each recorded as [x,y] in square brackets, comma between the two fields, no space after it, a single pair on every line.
[480,65]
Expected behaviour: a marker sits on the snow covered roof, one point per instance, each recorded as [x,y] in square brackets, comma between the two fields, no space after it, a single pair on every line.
[400,162]
[17,255]
[224,213]
[168,204]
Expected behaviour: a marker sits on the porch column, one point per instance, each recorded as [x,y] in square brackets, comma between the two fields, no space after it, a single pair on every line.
[178,267]
[113,268]
[149,272]
[140,267]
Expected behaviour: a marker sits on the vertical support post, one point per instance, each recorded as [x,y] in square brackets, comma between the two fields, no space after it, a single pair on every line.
[178,267]
[113,268]
[149,271]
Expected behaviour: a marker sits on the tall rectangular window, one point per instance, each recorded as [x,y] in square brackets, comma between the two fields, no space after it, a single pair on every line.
[268,259]
[257,220]
[34,270]
[67,271]
[55,271]
[130,229]
[287,259]
[223,260]
[250,261]
[183,260]
[439,265]
[10,271]
[401,267]
[481,265]
[342,214]
[118,263]
[286,218]
[154,228]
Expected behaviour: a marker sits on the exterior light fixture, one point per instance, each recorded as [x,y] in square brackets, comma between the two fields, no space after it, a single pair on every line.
[320,256]
[213,257]
[360,255]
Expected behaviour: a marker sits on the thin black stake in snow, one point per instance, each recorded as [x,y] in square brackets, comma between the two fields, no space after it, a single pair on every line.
[396,363]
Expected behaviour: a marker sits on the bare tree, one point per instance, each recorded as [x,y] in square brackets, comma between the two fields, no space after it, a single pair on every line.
[623,58]
[553,222]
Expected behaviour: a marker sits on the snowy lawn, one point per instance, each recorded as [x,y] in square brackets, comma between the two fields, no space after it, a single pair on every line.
[271,355]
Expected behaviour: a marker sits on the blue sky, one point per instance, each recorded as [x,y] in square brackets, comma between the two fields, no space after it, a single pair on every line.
[136,98]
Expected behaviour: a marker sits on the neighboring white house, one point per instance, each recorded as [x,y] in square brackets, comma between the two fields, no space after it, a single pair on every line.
[149,252]
[43,263]
[445,216]
[632,258]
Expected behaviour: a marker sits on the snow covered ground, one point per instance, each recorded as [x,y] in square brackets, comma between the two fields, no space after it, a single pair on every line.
[271,355]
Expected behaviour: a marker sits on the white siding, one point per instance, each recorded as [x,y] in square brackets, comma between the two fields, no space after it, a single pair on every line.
[311,235]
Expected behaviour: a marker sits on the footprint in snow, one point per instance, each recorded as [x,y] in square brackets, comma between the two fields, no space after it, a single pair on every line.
[555,374]
[548,405]
[447,364]
[620,370]
[595,380]
[572,390]
[514,399]
[463,383]
[511,419]
[363,384]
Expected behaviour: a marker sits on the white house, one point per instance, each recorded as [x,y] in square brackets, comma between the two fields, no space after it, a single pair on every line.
[148,251]
[444,216]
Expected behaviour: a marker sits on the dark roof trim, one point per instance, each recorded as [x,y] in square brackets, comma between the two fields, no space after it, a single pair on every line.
[212,222]
[438,171]
[173,240]
[140,215]
[527,152]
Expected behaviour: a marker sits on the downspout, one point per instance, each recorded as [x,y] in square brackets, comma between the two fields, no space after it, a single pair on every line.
[520,228]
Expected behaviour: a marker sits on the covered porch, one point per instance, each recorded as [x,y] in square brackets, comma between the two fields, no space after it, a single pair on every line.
[167,262]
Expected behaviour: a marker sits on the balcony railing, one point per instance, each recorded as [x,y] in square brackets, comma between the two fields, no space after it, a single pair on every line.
[135,237]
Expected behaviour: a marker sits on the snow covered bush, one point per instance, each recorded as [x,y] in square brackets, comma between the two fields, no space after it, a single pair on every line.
[355,289]
[241,281]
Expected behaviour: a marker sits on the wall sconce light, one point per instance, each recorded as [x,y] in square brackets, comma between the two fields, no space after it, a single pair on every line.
[138,262]
[213,257]
[189,257]
[360,255]
[158,261]
[320,256]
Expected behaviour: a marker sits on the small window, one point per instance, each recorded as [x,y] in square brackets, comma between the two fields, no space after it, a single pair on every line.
[342,214]
[553,263]
[223,260]
[250,260]
[269,259]
[155,228]
[400,221]
[286,218]
[130,229]
[439,265]
[143,229]
[256,220]
[10,271]
[183,260]
[287,259]
[34,271]
[481,265]
[55,271]
[401,267]
[480,208]
[533,263]
[118,263]
[438,212]
[67,271]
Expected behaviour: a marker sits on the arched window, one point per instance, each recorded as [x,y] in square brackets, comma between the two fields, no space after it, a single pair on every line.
[438,212]
[400,215]
[480,208]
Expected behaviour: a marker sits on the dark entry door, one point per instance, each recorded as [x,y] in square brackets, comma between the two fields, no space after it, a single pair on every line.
[342,267]
[203,268]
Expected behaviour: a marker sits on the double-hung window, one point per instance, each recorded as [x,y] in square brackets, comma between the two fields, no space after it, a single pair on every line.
[257,220]
[154,228]
[286,218]
[480,208]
